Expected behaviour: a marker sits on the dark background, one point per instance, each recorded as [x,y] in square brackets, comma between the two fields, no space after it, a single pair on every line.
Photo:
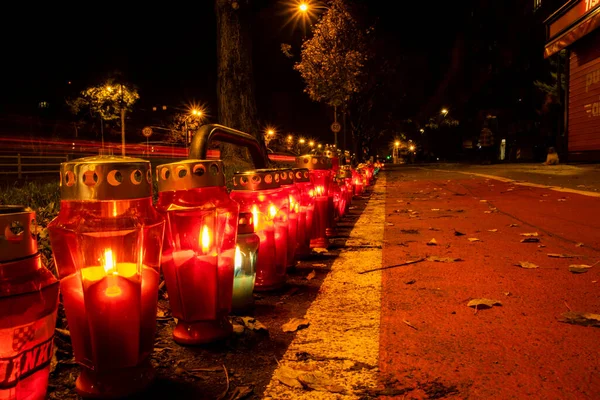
[169,52]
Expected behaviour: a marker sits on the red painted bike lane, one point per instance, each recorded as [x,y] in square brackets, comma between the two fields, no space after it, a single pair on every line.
[433,345]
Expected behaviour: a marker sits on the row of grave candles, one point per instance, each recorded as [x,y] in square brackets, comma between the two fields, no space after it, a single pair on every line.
[216,248]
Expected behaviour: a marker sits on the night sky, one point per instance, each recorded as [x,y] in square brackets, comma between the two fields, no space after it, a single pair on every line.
[169,52]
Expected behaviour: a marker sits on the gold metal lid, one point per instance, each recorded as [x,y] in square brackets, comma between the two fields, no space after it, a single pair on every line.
[190,174]
[105,178]
[286,176]
[256,179]
[330,153]
[301,175]
[311,161]
[345,173]
[17,237]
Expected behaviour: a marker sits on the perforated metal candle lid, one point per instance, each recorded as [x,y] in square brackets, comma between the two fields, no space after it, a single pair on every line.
[105,178]
[301,175]
[257,179]
[286,176]
[190,174]
[311,161]
[17,239]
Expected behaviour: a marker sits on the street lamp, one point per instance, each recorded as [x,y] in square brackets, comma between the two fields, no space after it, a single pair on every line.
[422,130]
[303,7]
[311,143]
[444,111]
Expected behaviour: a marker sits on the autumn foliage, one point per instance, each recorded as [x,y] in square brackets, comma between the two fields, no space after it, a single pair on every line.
[333,59]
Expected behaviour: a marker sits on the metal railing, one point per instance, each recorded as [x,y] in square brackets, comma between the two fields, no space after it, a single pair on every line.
[27,165]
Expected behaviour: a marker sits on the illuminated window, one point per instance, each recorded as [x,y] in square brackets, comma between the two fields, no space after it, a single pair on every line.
[537,4]
[43,104]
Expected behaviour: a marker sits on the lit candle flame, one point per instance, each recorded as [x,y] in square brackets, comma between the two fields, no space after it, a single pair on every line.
[237,260]
[255,217]
[109,262]
[272,211]
[205,239]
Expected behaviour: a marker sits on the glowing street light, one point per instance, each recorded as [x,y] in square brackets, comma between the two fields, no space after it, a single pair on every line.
[311,143]
[302,141]
[290,138]
[303,7]
[422,130]
[270,132]
[444,111]
[397,143]
[196,112]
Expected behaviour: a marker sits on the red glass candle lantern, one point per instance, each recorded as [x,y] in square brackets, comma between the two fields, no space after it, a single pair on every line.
[28,304]
[286,179]
[244,264]
[321,176]
[259,192]
[199,248]
[358,179]
[343,195]
[346,175]
[107,242]
[307,207]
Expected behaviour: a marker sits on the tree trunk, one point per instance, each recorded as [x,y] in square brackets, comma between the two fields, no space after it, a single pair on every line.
[235,84]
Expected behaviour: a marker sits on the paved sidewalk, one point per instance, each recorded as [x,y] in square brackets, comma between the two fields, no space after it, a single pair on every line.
[584,178]
[338,354]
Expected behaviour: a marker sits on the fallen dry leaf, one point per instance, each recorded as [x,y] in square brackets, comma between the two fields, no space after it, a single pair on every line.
[579,268]
[288,377]
[474,240]
[433,229]
[562,199]
[253,324]
[319,265]
[492,230]
[409,282]
[432,242]
[513,225]
[457,233]
[319,381]
[526,264]
[507,293]
[529,234]
[435,209]
[530,240]
[319,250]
[311,275]
[483,201]
[483,303]
[389,224]
[295,324]
[487,212]
[443,259]
[553,255]
[579,245]
[581,318]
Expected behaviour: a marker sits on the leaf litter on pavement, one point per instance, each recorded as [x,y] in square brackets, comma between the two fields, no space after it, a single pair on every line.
[581,318]
[526,265]
[483,303]
[309,380]
[530,240]
[579,268]
[295,324]
[443,259]
[554,255]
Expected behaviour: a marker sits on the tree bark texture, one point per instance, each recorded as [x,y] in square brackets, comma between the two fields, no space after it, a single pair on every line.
[235,83]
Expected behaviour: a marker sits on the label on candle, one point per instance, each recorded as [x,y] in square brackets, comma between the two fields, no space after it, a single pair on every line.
[25,349]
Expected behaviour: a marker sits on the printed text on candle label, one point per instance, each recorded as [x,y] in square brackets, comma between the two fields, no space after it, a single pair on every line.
[22,365]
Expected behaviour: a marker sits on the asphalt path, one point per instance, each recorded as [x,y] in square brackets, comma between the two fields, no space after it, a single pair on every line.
[466,232]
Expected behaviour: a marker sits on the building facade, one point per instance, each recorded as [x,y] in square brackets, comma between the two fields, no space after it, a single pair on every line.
[575,28]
